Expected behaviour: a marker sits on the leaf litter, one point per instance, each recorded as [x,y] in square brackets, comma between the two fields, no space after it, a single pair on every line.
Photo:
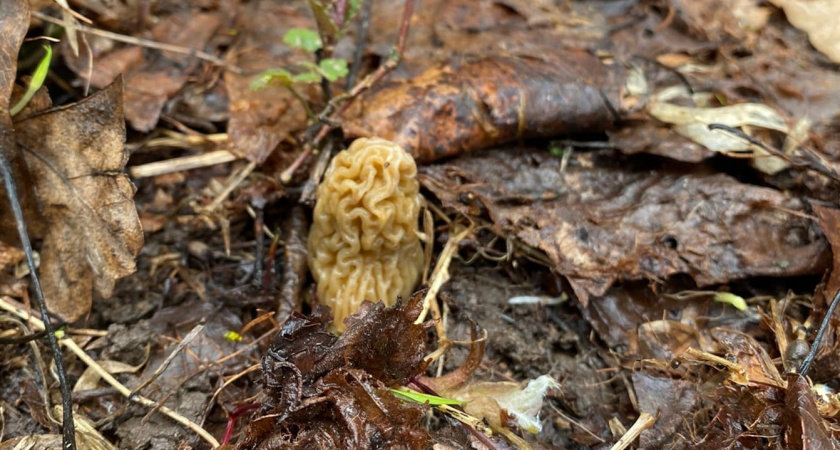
[587,173]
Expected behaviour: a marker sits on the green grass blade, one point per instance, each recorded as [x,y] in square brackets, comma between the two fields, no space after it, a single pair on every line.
[417,397]
[37,81]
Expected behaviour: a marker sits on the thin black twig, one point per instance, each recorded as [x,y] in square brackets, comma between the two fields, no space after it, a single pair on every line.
[69,429]
[824,324]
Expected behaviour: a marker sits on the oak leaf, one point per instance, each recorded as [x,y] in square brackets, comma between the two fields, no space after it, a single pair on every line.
[76,159]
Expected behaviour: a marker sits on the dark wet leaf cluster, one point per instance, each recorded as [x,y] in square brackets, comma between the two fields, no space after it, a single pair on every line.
[325,391]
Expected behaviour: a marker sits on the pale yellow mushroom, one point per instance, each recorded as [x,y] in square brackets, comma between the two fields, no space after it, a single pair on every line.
[363,243]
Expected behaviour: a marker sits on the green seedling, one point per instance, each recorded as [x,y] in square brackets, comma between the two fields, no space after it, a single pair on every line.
[37,81]
[727,297]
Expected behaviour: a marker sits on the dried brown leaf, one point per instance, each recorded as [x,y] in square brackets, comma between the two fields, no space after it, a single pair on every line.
[76,156]
[812,17]
[151,77]
[601,219]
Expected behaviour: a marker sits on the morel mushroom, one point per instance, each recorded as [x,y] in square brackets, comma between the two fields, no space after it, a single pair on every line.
[363,244]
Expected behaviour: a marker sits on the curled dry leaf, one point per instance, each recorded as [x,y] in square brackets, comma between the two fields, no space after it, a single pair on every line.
[468,104]
[76,158]
[600,219]
[322,391]
[502,404]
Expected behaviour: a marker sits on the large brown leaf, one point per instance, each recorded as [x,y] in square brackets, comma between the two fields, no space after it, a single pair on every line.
[472,103]
[76,158]
[601,219]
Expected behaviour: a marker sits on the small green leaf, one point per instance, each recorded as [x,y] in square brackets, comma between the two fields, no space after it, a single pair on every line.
[307,77]
[279,77]
[303,38]
[727,297]
[37,81]
[332,68]
[417,397]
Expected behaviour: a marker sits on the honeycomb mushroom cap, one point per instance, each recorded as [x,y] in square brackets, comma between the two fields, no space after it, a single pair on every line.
[363,242]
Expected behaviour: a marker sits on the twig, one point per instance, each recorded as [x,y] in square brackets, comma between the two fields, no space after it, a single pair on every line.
[70,344]
[259,246]
[227,383]
[183,163]
[68,429]
[644,422]
[233,182]
[37,363]
[826,322]
[307,197]
[146,43]
[183,343]
[813,162]
[332,111]
[294,264]
[441,274]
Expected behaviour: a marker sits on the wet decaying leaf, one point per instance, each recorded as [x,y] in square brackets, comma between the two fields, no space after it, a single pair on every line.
[667,399]
[261,119]
[656,139]
[76,158]
[151,77]
[601,219]
[804,428]
[472,103]
[827,364]
[324,391]
[757,408]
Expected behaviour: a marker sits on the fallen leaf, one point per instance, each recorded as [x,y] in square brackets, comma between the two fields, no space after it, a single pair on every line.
[657,139]
[261,119]
[668,400]
[76,158]
[600,219]
[14,21]
[494,400]
[814,18]
[471,103]
[152,77]
[804,427]
[692,122]
[323,391]
[719,19]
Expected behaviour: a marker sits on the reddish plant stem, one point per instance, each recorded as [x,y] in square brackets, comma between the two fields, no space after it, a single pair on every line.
[232,416]
[330,114]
